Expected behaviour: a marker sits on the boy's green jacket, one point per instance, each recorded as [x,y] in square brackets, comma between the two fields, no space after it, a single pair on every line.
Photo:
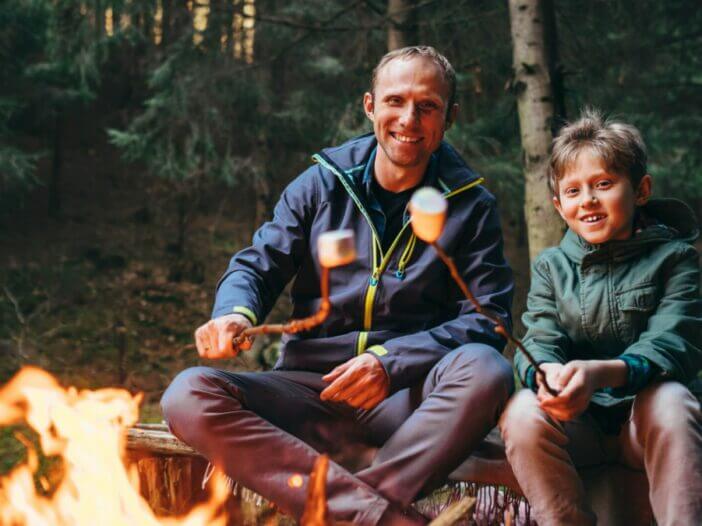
[637,296]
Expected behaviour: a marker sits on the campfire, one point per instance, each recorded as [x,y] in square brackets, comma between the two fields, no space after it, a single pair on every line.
[86,430]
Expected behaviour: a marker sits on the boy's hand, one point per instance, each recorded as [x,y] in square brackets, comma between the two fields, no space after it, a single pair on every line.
[576,381]
[214,338]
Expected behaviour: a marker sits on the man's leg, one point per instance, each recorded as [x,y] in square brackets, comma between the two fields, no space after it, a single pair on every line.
[664,437]
[427,431]
[237,421]
[543,454]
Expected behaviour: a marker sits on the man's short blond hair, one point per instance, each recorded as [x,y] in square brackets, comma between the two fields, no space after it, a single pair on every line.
[619,145]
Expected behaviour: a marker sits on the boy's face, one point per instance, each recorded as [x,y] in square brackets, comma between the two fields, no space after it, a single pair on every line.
[597,204]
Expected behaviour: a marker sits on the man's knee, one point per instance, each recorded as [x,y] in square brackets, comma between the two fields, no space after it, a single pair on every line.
[182,403]
[484,364]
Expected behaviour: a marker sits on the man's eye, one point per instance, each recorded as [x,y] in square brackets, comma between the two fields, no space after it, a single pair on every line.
[427,106]
[394,101]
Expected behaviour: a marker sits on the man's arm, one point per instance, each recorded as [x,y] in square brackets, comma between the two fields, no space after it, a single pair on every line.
[257,275]
[481,262]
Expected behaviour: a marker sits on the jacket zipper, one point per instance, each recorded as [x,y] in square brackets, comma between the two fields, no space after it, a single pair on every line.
[378,270]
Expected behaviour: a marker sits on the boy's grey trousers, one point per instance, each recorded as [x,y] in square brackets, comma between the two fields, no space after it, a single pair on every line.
[262,428]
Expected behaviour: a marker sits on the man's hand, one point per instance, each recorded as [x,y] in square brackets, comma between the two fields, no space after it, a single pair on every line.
[361,382]
[214,338]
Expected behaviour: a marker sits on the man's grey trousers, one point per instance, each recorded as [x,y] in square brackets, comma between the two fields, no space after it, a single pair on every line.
[261,428]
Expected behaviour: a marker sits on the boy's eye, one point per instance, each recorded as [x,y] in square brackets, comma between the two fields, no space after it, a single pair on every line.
[570,192]
[606,183]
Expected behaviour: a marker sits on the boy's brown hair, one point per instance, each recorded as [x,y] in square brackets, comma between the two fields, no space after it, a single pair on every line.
[619,145]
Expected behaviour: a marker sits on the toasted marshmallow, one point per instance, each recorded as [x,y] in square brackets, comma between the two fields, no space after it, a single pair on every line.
[336,248]
[428,210]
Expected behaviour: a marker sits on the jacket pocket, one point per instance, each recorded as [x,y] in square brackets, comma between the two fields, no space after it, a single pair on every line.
[636,305]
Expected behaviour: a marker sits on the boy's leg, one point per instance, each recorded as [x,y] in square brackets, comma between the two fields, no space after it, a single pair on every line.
[664,437]
[427,431]
[543,454]
[246,423]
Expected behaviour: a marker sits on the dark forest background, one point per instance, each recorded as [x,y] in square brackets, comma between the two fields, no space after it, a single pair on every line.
[141,142]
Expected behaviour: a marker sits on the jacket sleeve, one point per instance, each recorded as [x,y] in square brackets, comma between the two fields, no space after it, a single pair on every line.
[257,275]
[545,338]
[482,265]
[673,339]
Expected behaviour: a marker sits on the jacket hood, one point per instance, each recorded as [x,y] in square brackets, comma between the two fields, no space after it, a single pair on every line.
[668,219]
[354,154]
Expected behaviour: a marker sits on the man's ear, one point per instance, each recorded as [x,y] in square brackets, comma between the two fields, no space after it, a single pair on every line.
[557,204]
[368,105]
[451,116]
[643,192]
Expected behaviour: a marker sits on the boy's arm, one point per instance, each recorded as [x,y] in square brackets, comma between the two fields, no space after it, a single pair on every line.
[545,338]
[672,341]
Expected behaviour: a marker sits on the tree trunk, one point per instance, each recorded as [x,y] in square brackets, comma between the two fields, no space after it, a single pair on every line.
[532,85]
[402,31]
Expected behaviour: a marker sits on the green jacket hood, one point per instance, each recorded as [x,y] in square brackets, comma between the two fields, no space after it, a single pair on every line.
[668,219]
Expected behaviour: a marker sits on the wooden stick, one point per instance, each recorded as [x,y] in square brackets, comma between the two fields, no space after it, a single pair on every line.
[315,513]
[292,326]
[499,326]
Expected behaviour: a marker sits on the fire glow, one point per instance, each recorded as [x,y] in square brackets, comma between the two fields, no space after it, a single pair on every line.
[87,430]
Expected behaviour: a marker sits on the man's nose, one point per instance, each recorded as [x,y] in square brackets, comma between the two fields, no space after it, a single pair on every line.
[410,114]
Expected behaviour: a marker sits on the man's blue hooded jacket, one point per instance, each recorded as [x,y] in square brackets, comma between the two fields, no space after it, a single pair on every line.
[401,304]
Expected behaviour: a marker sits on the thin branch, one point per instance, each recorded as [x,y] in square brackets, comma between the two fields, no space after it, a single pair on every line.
[15,304]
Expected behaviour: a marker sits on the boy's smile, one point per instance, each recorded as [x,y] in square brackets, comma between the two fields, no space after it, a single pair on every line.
[597,204]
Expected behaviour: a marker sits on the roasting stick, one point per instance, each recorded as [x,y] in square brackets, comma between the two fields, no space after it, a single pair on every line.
[334,249]
[428,211]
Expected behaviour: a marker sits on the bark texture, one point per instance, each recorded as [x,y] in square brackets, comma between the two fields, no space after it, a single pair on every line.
[402,31]
[535,96]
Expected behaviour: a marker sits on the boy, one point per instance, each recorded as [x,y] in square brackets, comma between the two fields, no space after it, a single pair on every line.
[615,319]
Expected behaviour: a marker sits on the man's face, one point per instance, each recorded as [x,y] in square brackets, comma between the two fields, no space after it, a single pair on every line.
[597,204]
[408,111]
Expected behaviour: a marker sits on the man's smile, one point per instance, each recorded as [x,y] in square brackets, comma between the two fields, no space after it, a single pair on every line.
[405,138]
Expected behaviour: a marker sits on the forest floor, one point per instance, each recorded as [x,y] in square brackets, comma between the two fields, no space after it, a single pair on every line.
[103,297]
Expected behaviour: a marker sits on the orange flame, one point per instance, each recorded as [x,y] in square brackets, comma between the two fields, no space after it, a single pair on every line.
[87,429]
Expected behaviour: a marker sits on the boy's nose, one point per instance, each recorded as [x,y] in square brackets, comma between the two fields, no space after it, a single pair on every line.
[588,200]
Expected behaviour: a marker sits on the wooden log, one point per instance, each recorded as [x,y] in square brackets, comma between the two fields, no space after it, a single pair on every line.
[461,510]
[157,441]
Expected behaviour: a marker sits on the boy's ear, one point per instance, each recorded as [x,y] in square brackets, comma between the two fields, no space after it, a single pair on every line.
[557,204]
[368,105]
[643,192]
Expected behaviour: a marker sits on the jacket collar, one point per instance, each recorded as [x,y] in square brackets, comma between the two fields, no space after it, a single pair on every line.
[448,171]
[673,219]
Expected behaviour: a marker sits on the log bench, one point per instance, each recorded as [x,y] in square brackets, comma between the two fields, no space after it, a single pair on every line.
[171,476]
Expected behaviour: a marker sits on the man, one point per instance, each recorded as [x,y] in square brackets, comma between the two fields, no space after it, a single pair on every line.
[403,362]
